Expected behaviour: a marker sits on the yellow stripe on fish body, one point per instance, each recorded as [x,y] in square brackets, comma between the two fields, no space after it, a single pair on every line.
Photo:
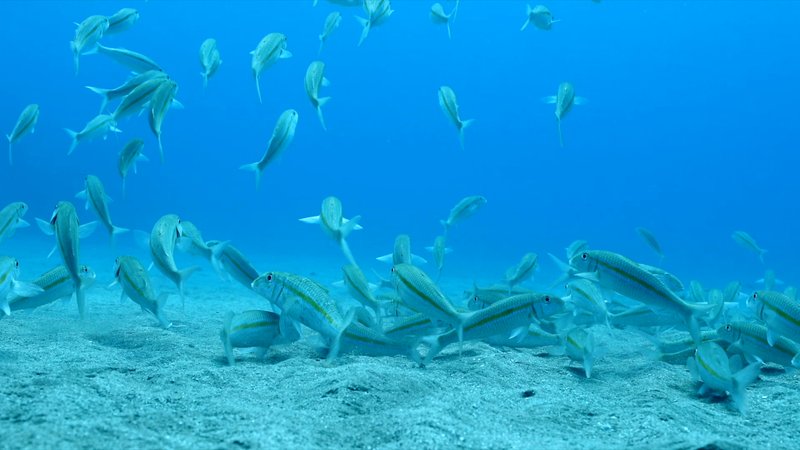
[357,338]
[358,286]
[780,312]
[420,293]
[751,338]
[56,284]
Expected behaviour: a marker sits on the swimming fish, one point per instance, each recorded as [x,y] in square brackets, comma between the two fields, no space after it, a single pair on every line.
[534,338]
[465,208]
[271,48]
[359,288]
[191,241]
[711,365]
[587,297]
[651,240]
[780,313]
[122,20]
[255,329]
[751,339]
[282,136]
[363,340]
[541,17]
[139,98]
[54,284]
[580,347]
[439,17]
[747,241]
[439,250]
[87,34]
[315,79]
[95,195]
[401,253]
[128,157]
[127,87]
[334,224]
[136,285]
[160,103]
[26,123]
[163,240]
[236,264]
[378,11]
[564,100]
[447,101]
[100,126]
[210,59]
[479,298]
[65,225]
[10,286]
[11,219]
[136,62]
[331,23]
[522,271]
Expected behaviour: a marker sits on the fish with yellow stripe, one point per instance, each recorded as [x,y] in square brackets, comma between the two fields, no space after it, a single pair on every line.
[779,312]
[710,364]
[55,284]
[132,276]
[255,329]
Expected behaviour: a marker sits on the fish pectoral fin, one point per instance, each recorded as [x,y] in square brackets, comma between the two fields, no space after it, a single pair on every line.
[45,226]
[772,337]
[518,334]
[87,229]
[591,276]
[580,101]
[21,223]
[285,54]
[550,99]
[311,220]
[325,83]
[25,289]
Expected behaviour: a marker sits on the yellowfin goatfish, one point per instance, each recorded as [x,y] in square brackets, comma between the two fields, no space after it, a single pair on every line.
[541,17]
[751,339]
[522,271]
[10,286]
[360,339]
[334,224]
[122,20]
[163,240]
[139,98]
[191,241]
[359,288]
[587,297]
[271,48]
[11,219]
[126,87]
[438,16]
[315,79]
[160,103]
[711,365]
[651,240]
[282,136]
[66,228]
[747,241]
[331,23]
[447,101]
[210,59]
[463,209]
[128,157]
[401,253]
[439,250]
[26,123]
[95,195]
[378,11]
[134,61]
[579,346]
[564,100]
[779,312]
[254,329]
[132,276]
[236,264]
[55,284]
[305,301]
[100,126]
[87,34]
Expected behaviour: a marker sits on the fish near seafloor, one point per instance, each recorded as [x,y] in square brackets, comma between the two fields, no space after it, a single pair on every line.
[449,105]
[236,264]
[363,340]
[269,50]
[66,228]
[580,347]
[136,285]
[11,219]
[191,241]
[163,240]
[751,339]
[26,123]
[255,329]
[335,225]
[55,284]
[564,100]
[314,81]
[779,312]
[10,286]
[282,136]
[95,195]
[401,253]
[711,366]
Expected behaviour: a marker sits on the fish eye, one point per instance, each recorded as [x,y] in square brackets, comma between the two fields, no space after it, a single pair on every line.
[393,270]
[16,264]
[728,327]
[755,295]
[269,277]
[547,299]
[584,256]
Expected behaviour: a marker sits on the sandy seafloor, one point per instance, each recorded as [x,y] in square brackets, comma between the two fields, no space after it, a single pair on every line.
[115,380]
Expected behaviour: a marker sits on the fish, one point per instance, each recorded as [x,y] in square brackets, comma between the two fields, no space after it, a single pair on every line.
[359,288]
[210,59]
[751,339]
[465,208]
[306,301]
[282,136]
[11,219]
[439,250]
[128,157]
[160,103]
[651,240]
[675,350]
[522,271]
[26,123]
[479,298]
[378,11]
[539,16]
[255,329]
[191,241]
[136,285]
[335,225]
[163,240]
[779,312]
[139,98]
[401,253]
[711,365]
[271,48]
[10,286]
[363,340]
[449,105]
[236,264]
[580,347]
[95,195]
[534,338]
[87,34]
[587,297]
[66,228]
[747,241]
[331,23]
[564,100]
[439,17]
[53,285]
[136,62]
[315,79]
[412,327]
[127,87]
[101,125]
[122,20]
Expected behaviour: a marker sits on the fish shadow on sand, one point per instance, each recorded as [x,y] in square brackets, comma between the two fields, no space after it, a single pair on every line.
[126,339]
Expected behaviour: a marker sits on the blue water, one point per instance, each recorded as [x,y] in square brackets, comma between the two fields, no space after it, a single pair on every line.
[690,129]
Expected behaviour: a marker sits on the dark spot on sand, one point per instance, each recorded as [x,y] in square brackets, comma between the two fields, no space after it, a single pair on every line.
[529,393]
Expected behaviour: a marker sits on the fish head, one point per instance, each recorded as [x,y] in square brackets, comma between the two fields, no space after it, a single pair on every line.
[547,306]
[583,262]
[728,333]
[21,208]
[88,276]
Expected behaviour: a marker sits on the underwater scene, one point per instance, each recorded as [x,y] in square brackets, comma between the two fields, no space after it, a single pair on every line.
[384,224]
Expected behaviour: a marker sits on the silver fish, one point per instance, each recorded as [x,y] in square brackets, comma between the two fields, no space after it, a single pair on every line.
[11,219]
[236,264]
[126,87]
[751,339]
[439,17]
[54,284]
[315,79]
[564,100]
[163,240]
[540,16]
[331,23]
[128,157]
[779,312]
[463,209]
[65,225]
[363,340]
[449,105]
[26,123]
[122,20]
[192,241]
[523,270]
[579,346]
[100,126]
[134,61]
[359,287]
[139,98]
[282,136]
[210,59]
[10,286]
[401,253]
[747,241]
[87,34]
[439,250]
[95,195]
[651,240]
[335,225]
[135,282]
[255,329]
[160,103]
[378,11]
[711,365]
[271,48]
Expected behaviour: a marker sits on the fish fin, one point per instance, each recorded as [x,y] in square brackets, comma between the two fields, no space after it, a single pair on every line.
[25,289]
[258,87]
[101,92]
[346,250]
[254,168]
[82,195]
[449,33]
[21,223]
[225,335]
[87,229]
[366,25]
[5,307]
[418,260]
[176,104]
[10,153]
[290,329]
[357,227]
[525,25]
[52,251]
[560,136]
[45,227]
[336,344]
[338,284]
[74,136]
[325,83]
[518,334]
[216,257]
[118,230]
[285,54]
[740,381]
[320,103]
[580,101]
[772,337]
[388,259]
[550,99]
[691,364]
[591,276]
[349,226]
[434,347]
[80,296]
[161,301]
[796,360]
[311,220]
[461,127]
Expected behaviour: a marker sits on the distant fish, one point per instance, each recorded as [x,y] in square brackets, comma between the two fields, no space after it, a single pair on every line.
[439,17]
[747,241]
[26,123]
[122,20]
[128,157]
[87,34]
[66,227]
[335,225]
[11,219]
[711,365]
[136,285]
[271,48]
[447,101]
[255,329]
[579,346]
[378,11]
[95,195]
[439,250]
[10,286]
[55,284]
[134,61]
[160,103]
[210,59]
[282,136]
[331,23]
[651,240]
[314,81]
[127,87]
[540,16]
[464,209]
[401,253]
[163,240]
[100,126]
[191,241]
[564,100]
[523,270]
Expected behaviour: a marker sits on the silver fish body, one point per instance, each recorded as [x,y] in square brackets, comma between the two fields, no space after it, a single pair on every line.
[26,123]
[269,50]
[136,285]
[282,136]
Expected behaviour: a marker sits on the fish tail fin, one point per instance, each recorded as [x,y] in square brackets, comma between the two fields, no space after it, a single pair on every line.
[160,148]
[258,87]
[74,136]
[80,296]
[102,93]
[527,18]
[75,56]
[449,33]
[351,225]
[741,380]
[205,79]
[320,103]
[366,24]
[216,257]
[560,136]
[183,275]
[161,301]
[225,335]
[346,250]
[4,306]
[115,230]
[464,124]
[321,44]
[123,187]
[254,168]
[337,341]
[10,155]
[435,347]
